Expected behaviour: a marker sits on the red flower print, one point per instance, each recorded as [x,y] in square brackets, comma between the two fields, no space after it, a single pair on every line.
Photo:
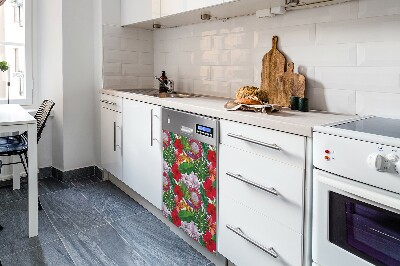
[178,193]
[178,145]
[176,173]
[195,199]
[166,138]
[212,211]
[175,218]
[212,157]
[196,151]
[166,182]
[209,188]
[209,243]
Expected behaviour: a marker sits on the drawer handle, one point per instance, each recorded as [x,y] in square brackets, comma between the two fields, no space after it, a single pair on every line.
[267,145]
[108,102]
[239,177]
[239,232]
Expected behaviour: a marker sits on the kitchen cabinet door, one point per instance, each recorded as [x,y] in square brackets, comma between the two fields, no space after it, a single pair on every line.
[192,5]
[134,11]
[142,146]
[172,7]
[111,137]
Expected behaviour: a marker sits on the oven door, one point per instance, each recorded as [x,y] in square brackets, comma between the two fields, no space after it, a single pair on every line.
[353,223]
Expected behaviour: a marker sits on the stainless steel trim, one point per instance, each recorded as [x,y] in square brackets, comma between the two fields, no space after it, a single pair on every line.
[151,127]
[115,136]
[108,102]
[267,145]
[270,251]
[239,177]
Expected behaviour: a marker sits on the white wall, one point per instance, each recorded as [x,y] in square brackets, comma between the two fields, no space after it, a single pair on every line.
[349,53]
[50,78]
[78,83]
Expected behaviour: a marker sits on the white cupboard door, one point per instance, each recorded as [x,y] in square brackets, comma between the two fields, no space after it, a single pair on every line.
[172,7]
[142,150]
[111,138]
[192,5]
[134,11]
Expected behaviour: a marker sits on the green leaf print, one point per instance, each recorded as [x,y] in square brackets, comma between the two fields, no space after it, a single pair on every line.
[201,169]
[169,155]
[206,147]
[214,238]
[173,138]
[185,143]
[186,168]
[200,219]
[168,199]
[204,197]
[201,241]
[185,190]
[186,216]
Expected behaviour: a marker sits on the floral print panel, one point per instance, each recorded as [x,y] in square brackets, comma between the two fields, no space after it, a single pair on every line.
[189,187]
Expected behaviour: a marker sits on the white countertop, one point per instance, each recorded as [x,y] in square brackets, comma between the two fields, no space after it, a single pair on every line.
[13,114]
[299,123]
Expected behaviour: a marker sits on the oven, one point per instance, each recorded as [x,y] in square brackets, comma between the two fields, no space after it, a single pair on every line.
[354,223]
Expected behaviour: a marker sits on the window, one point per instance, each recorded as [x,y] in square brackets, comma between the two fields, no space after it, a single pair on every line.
[16,49]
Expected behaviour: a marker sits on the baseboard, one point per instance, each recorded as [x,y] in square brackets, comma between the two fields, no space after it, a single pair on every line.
[77,173]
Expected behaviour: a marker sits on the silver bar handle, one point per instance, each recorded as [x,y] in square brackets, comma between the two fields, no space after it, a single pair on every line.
[270,251]
[267,145]
[115,136]
[151,127]
[108,102]
[240,178]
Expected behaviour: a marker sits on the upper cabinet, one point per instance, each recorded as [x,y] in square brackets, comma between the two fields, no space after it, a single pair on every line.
[172,7]
[135,11]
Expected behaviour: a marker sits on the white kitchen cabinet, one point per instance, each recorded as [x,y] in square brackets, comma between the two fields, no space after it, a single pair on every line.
[142,145]
[261,195]
[111,152]
[172,7]
[134,11]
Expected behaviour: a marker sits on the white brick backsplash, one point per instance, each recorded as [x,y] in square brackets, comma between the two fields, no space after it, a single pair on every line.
[381,29]
[146,58]
[137,70]
[382,54]
[195,72]
[112,69]
[137,45]
[374,8]
[288,36]
[378,79]
[380,104]
[116,56]
[214,88]
[322,55]
[222,57]
[349,54]
[339,101]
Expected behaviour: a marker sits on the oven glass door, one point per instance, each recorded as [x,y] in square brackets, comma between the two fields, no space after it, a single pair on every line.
[367,231]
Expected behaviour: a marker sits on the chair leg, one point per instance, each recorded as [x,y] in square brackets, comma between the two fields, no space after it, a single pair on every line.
[23,163]
[26,171]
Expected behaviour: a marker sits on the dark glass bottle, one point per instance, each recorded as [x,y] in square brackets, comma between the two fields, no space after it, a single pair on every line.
[163,78]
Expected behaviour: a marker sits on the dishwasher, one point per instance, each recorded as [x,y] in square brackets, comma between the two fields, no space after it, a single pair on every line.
[190,148]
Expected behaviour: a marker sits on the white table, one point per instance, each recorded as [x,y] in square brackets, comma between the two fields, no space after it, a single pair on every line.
[15,118]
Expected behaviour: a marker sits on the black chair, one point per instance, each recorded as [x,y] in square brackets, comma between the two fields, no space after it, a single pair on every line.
[18,145]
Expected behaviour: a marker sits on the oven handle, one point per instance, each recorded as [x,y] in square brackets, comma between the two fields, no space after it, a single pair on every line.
[369,193]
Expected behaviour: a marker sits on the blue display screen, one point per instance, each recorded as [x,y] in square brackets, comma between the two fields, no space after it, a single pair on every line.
[200,129]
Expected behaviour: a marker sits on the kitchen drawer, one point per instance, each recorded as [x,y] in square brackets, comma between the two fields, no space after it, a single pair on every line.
[274,144]
[286,244]
[111,102]
[267,186]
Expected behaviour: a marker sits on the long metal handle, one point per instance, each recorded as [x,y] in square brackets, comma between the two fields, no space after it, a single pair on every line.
[151,127]
[267,145]
[108,102]
[270,251]
[115,136]
[239,177]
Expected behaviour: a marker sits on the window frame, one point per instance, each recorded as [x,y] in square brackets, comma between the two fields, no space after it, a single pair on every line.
[29,57]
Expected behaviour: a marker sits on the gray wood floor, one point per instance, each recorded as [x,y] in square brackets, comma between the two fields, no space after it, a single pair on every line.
[87,222]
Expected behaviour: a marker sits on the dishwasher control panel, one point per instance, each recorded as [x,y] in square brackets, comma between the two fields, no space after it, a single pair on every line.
[201,128]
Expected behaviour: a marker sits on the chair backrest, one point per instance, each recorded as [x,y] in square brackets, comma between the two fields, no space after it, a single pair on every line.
[41,116]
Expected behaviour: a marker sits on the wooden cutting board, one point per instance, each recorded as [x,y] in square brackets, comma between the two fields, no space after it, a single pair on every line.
[292,84]
[273,68]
